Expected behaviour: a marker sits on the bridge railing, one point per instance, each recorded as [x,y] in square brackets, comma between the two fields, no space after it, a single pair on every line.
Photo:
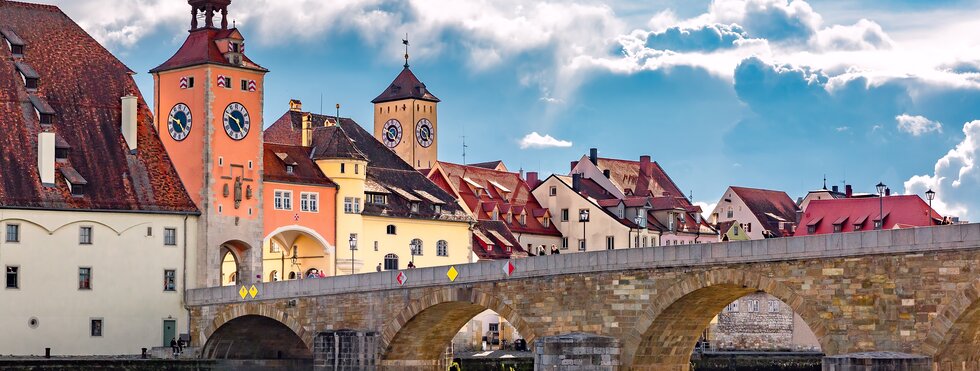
[896,241]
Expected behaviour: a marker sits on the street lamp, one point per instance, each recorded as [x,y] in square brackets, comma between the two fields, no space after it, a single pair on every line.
[583,217]
[930,195]
[881,204]
[413,246]
[294,257]
[639,225]
[353,246]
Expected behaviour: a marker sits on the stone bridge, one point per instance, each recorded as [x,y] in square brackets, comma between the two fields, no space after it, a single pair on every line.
[910,290]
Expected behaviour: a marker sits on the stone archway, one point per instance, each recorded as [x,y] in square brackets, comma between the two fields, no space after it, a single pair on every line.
[310,249]
[954,335]
[234,258]
[667,331]
[255,331]
[421,332]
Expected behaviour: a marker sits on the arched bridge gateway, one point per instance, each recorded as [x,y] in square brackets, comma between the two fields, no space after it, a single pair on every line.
[910,290]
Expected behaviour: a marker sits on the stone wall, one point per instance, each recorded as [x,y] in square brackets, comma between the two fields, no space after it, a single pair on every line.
[757,321]
[576,352]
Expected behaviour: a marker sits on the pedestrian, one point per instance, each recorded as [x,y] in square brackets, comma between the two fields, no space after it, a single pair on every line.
[554,250]
[543,249]
[173,346]
[379,267]
[180,346]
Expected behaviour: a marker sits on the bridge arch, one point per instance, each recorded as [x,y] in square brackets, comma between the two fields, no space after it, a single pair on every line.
[423,330]
[256,331]
[667,331]
[953,334]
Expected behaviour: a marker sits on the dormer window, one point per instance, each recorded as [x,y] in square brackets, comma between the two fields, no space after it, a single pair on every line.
[509,217]
[27,74]
[415,207]
[44,112]
[523,219]
[495,215]
[546,222]
[14,42]
[289,169]
[76,184]
[437,209]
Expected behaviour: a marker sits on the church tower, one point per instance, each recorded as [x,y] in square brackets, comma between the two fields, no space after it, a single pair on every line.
[208,104]
[405,119]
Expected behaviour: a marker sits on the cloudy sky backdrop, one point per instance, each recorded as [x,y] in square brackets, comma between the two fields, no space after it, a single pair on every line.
[760,93]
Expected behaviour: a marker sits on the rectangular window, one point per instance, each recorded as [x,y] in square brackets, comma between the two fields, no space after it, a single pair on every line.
[811,229]
[13,233]
[84,278]
[274,247]
[733,307]
[546,222]
[753,306]
[564,215]
[228,82]
[342,167]
[375,245]
[169,280]
[610,243]
[12,277]
[85,235]
[244,85]
[415,207]
[437,209]
[552,191]
[837,228]
[357,168]
[748,227]
[190,82]
[564,243]
[149,231]
[877,224]
[309,202]
[170,237]
[773,306]
[96,327]
[581,245]
[352,205]
[283,200]
[494,327]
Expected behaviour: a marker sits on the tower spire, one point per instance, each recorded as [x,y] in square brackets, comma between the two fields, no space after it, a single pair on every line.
[405,41]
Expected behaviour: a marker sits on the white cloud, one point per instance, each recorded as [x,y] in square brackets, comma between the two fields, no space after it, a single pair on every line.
[956,177]
[535,140]
[842,129]
[706,208]
[917,125]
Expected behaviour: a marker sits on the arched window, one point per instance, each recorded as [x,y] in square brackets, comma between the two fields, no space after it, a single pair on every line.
[292,275]
[274,276]
[391,262]
[391,229]
[416,247]
[442,248]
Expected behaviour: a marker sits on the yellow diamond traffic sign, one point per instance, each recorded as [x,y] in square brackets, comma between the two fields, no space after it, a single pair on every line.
[253,291]
[242,292]
[452,274]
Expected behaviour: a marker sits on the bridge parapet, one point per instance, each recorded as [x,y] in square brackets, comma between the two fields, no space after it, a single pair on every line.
[912,240]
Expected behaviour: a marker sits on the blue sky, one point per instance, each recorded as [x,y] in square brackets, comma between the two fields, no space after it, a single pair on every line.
[761,93]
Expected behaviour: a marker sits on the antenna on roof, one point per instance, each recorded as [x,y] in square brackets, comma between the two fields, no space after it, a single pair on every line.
[825,182]
[321,103]
[338,114]
[691,197]
[464,150]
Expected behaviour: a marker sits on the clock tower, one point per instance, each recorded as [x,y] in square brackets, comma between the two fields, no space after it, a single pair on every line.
[208,104]
[405,119]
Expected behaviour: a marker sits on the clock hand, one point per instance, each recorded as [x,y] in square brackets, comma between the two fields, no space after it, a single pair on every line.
[237,122]
[178,122]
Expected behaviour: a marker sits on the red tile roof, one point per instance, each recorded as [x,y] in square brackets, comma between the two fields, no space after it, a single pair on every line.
[765,204]
[305,171]
[901,210]
[83,83]
[627,175]
[517,199]
[491,239]
[201,47]
[405,86]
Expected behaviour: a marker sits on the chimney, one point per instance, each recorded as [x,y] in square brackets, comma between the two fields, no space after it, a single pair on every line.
[576,182]
[645,166]
[45,157]
[888,192]
[607,173]
[848,191]
[835,189]
[307,130]
[129,121]
[295,105]
[532,179]
[572,167]
[594,156]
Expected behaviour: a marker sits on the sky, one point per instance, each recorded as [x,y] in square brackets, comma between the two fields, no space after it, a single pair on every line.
[772,94]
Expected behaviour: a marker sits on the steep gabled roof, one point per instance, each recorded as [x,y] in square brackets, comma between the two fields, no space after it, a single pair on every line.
[333,142]
[82,86]
[768,206]
[405,86]
[627,175]
[902,210]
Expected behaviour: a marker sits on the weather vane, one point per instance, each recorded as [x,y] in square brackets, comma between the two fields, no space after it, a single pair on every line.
[405,41]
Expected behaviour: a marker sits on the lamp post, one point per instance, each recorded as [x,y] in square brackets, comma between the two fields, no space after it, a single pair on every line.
[412,247]
[583,217]
[639,225]
[930,195]
[881,204]
[353,246]
[294,257]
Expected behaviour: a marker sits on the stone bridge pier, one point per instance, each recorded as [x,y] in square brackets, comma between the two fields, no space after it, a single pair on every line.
[911,291]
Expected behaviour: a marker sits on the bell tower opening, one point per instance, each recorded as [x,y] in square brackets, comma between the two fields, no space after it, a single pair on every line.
[206,9]
[406,119]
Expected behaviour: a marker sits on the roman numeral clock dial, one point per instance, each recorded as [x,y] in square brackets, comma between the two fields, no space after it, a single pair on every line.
[236,121]
[179,122]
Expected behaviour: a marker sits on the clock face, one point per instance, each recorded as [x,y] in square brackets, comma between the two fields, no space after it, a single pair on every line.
[236,121]
[179,122]
[424,133]
[391,135]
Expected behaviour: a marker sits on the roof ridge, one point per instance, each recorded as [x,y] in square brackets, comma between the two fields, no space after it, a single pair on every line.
[31,5]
